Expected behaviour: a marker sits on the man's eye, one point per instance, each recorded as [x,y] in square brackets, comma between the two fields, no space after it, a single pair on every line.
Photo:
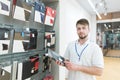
[78,28]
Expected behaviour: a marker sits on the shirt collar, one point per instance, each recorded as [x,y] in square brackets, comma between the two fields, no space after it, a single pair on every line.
[87,42]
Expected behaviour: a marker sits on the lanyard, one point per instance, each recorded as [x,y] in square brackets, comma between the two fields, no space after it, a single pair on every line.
[79,55]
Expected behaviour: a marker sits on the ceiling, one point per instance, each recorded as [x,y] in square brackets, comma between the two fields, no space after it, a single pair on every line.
[112,5]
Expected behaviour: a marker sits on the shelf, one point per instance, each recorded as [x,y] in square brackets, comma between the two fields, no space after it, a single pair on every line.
[19,56]
[48,1]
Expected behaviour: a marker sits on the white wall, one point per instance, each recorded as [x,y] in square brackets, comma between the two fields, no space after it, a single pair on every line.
[70,12]
[55,68]
[93,26]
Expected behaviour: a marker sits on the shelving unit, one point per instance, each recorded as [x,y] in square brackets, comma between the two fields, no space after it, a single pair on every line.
[19,56]
[18,26]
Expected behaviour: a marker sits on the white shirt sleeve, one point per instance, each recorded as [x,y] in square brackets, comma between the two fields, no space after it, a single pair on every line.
[97,59]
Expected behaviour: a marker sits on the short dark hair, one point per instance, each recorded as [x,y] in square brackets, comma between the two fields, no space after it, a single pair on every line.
[83,22]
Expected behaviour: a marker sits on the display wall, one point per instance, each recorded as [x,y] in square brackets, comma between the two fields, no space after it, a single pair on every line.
[23,40]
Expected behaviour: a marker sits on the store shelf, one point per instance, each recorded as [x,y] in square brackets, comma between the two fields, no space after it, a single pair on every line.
[10,57]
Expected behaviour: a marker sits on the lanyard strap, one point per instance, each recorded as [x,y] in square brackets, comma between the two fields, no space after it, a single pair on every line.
[79,55]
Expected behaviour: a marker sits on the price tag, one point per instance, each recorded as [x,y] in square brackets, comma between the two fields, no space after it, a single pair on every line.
[5,35]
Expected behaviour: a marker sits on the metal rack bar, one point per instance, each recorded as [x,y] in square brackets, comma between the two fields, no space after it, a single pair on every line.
[19,56]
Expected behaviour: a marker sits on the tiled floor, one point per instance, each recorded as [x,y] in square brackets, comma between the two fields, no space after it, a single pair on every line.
[111,70]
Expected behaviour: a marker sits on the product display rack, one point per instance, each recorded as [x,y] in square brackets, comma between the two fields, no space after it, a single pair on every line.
[19,56]
[10,57]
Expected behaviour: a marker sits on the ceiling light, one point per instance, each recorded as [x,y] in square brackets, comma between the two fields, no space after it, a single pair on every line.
[105,11]
[99,7]
[118,28]
[105,25]
[109,25]
[105,14]
[105,8]
[91,4]
[112,31]
[101,3]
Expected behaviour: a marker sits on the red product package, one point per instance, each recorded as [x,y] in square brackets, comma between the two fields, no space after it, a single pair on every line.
[50,16]
[48,77]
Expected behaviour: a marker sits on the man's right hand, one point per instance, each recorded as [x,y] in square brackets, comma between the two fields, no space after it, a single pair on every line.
[59,63]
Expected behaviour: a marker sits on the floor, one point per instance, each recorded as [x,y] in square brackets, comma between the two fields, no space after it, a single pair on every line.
[113,53]
[111,70]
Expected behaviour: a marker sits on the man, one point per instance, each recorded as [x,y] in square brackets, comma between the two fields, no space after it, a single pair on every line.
[85,57]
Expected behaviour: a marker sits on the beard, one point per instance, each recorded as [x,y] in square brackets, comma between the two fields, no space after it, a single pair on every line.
[83,37]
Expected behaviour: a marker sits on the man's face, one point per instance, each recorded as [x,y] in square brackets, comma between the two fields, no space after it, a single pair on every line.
[82,31]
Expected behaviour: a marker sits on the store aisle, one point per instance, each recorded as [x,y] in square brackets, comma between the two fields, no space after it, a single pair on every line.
[111,70]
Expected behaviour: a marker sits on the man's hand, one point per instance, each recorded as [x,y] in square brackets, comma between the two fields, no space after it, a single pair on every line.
[93,70]
[59,63]
[71,66]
